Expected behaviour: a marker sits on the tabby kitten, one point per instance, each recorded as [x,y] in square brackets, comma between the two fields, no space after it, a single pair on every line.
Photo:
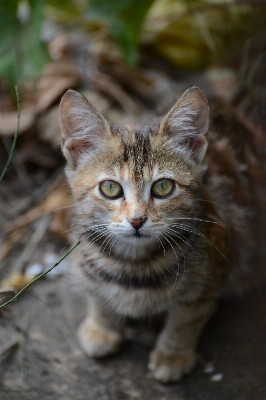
[162,221]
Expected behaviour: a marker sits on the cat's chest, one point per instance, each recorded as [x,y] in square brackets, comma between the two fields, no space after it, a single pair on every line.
[140,288]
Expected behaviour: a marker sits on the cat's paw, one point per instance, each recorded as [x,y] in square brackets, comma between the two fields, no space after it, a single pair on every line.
[98,341]
[170,368]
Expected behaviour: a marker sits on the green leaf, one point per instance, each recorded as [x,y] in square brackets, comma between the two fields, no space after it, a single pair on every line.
[125,18]
[22,52]
[34,52]
[67,12]
[9,33]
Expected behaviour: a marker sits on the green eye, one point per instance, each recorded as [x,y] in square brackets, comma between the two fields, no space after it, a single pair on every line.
[162,188]
[111,189]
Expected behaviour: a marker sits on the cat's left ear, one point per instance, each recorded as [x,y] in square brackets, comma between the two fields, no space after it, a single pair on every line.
[187,123]
[83,128]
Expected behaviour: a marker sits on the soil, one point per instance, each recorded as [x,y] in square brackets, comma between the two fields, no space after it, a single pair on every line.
[45,361]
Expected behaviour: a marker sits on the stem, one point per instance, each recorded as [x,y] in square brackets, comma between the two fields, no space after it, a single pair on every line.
[38,277]
[15,136]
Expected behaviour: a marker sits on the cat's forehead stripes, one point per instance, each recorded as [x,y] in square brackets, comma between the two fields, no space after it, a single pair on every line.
[135,157]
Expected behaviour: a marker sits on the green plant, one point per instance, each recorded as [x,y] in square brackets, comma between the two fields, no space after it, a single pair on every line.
[125,19]
[22,50]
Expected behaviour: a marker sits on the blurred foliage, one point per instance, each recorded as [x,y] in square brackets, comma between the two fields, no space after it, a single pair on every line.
[190,33]
[195,34]
[125,18]
[22,52]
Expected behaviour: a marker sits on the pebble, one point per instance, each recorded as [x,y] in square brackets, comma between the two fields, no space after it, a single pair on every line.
[51,259]
[33,270]
[217,377]
[208,367]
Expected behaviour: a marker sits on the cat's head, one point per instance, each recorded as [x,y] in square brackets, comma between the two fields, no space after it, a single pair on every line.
[131,183]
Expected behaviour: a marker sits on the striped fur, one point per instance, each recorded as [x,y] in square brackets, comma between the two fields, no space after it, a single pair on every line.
[192,246]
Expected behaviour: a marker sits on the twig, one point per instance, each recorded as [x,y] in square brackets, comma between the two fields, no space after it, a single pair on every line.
[9,243]
[32,243]
[45,207]
[15,136]
[22,174]
[38,277]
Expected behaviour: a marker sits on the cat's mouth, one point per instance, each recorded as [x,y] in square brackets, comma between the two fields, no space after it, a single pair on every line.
[137,235]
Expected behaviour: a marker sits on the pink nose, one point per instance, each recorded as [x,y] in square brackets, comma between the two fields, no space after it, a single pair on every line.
[137,222]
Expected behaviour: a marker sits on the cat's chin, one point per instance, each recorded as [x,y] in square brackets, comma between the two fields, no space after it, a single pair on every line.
[137,239]
[134,247]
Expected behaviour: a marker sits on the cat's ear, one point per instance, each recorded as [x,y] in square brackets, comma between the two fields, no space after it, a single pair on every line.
[188,121]
[82,126]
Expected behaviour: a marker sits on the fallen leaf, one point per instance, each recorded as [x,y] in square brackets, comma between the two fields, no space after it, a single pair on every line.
[16,280]
[9,120]
[57,199]
[59,76]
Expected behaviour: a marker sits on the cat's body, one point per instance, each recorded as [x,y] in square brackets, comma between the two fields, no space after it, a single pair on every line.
[165,222]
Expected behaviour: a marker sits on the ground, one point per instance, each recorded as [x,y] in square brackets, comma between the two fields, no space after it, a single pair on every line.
[45,361]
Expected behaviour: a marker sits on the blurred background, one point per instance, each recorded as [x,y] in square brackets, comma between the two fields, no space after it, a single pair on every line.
[131,59]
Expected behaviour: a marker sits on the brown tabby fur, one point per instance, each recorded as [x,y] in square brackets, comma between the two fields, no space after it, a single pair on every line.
[198,242]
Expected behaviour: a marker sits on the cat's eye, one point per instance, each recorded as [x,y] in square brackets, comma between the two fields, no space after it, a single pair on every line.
[111,189]
[162,188]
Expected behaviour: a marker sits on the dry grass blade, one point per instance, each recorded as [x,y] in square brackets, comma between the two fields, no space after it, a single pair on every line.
[15,137]
[9,243]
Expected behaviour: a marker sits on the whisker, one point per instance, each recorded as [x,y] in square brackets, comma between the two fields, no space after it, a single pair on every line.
[182,237]
[177,274]
[71,229]
[110,236]
[183,271]
[115,239]
[180,248]
[193,219]
[212,202]
[90,228]
[99,235]
[160,242]
[189,228]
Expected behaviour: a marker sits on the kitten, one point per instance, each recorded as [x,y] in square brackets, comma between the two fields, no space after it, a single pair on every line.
[164,214]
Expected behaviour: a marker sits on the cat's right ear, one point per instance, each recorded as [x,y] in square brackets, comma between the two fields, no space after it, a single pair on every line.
[82,126]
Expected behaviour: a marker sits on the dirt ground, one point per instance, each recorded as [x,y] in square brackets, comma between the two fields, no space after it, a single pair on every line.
[45,362]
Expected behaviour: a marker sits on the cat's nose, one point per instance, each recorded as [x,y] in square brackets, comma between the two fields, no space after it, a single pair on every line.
[137,222]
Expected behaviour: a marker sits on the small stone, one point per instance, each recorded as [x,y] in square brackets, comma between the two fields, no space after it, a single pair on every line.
[51,259]
[33,270]
[217,377]
[208,367]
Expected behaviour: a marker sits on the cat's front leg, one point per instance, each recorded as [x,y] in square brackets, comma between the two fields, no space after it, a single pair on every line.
[100,333]
[174,354]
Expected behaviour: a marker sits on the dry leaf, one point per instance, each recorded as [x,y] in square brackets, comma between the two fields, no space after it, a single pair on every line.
[59,76]
[16,280]
[57,199]
[60,222]
[9,120]
[106,84]
[10,242]
[48,127]
[7,292]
